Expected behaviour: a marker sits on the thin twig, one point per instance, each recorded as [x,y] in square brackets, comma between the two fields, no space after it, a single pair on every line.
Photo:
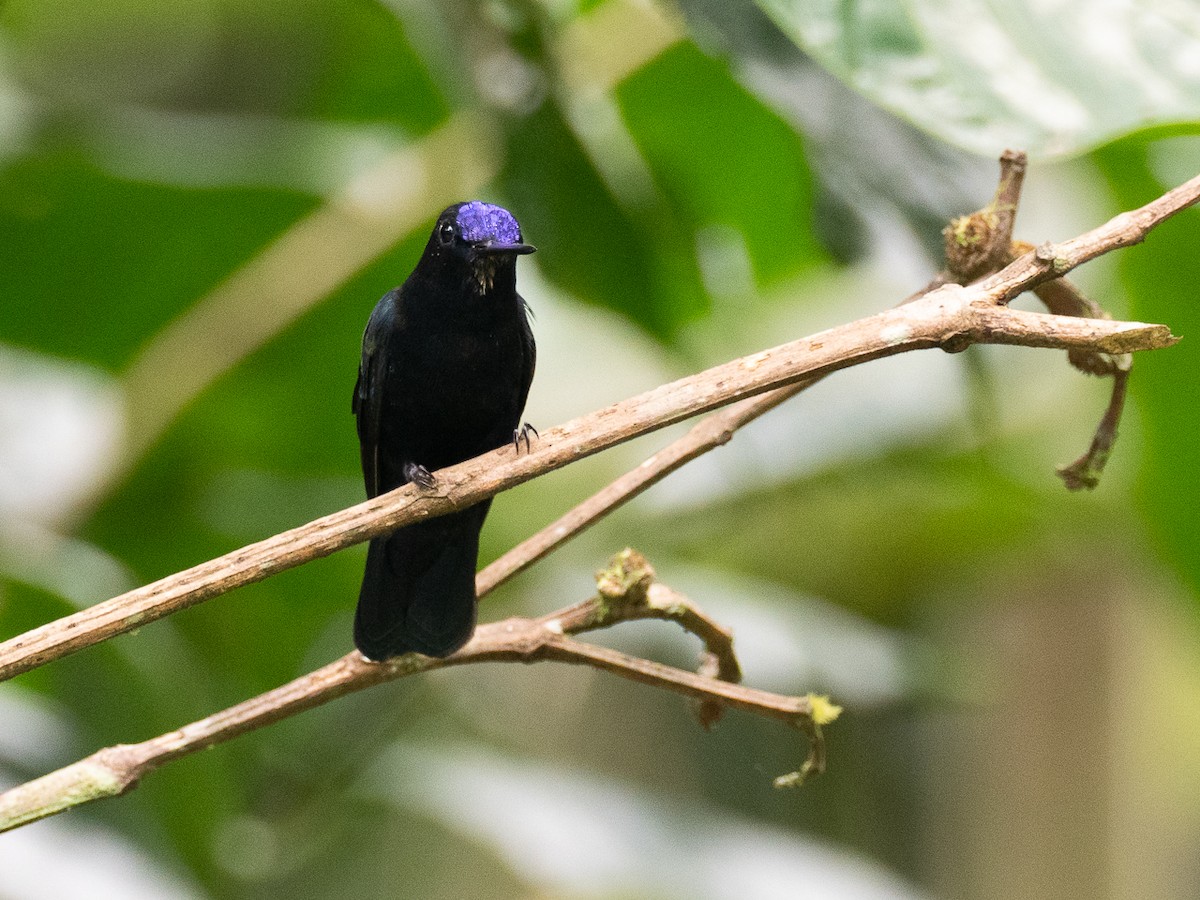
[1062,297]
[979,244]
[713,431]
[1085,471]
[1051,260]
[1007,199]
[629,590]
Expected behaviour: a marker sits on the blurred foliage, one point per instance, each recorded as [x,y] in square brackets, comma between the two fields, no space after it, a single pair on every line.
[1162,287]
[95,299]
[739,183]
[1051,78]
[668,106]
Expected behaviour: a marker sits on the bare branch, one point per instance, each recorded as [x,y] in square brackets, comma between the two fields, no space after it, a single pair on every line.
[627,591]
[1085,471]
[979,244]
[1062,297]
[1051,260]
[713,431]
[1007,199]
[951,317]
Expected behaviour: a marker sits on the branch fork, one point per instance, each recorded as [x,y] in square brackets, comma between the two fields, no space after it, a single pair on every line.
[627,590]
[965,304]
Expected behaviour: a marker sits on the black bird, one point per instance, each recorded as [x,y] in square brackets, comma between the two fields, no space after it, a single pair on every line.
[446,366]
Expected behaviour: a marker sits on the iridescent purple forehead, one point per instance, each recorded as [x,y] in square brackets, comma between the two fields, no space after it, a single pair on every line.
[479,221]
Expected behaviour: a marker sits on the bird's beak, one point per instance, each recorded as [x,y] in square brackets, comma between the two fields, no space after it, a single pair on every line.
[495,248]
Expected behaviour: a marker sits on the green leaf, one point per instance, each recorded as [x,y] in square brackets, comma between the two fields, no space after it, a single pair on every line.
[93,265]
[1052,79]
[368,71]
[751,177]
[592,246]
[741,210]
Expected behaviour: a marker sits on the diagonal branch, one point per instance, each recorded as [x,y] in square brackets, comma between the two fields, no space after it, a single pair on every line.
[709,433]
[951,317]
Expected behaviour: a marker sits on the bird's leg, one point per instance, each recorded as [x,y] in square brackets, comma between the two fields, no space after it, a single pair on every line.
[417,474]
[522,433]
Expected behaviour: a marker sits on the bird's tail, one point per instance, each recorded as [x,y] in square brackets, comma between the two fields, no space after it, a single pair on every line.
[418,590]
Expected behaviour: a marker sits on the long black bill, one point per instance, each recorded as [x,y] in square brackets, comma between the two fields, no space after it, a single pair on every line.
[495,248]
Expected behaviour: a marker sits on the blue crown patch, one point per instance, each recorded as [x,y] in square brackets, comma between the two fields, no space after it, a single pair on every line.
[479,221]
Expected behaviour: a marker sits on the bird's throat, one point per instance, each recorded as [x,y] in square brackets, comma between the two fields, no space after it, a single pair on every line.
[483,271]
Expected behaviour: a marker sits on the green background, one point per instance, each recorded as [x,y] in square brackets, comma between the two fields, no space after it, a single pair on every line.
[200,203]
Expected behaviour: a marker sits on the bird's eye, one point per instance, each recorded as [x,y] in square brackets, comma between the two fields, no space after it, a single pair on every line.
[446,234]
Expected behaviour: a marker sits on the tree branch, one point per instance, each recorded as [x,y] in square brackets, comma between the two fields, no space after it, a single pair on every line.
[981,243]
[709,433]
[627,591]
[951,317]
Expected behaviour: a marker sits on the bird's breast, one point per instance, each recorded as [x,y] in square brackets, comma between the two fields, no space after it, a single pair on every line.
[454,393]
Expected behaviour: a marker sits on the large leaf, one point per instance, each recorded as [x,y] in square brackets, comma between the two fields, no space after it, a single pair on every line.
[1050,78]
[592,246]
[880,180]
[93,265]
[752,176]
[741,211]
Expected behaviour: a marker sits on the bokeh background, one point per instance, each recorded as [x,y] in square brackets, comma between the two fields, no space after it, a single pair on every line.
[201,201]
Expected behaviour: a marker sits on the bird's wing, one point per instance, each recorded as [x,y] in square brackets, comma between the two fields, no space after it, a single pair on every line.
[367,403]
[528,352]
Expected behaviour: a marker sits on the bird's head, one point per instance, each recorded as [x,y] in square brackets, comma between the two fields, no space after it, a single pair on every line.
[482,237]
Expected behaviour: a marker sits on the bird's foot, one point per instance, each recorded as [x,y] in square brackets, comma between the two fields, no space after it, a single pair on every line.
[522,434]
[417,474]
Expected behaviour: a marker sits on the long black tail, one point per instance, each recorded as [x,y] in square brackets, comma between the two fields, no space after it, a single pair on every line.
[418,590]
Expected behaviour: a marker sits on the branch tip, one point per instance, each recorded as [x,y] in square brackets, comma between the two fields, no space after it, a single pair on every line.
[824,711]
[1084,473]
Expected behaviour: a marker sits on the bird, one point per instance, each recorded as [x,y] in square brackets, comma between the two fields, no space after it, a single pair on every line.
[447,363]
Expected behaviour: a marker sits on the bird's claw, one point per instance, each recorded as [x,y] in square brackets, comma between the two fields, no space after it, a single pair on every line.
[522,434]
[417,474]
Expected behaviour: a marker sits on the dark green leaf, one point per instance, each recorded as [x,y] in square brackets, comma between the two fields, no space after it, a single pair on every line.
[592,246]
[751,177]
[93,265]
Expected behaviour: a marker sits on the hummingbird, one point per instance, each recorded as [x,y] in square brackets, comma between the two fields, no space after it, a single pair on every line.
[447,362]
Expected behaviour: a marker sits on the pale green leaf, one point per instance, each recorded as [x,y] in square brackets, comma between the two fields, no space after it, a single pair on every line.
[1052,78]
